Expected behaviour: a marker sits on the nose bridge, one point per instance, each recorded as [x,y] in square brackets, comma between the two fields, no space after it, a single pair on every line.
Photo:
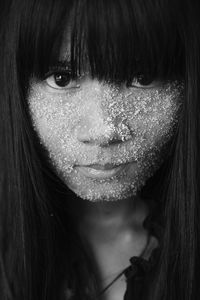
[109,101]
[102,117]
[102,122]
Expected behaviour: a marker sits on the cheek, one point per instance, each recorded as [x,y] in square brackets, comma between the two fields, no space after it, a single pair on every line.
[152,114]
[54,118]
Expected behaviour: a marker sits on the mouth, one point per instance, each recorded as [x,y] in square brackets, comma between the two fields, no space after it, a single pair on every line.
[101,171]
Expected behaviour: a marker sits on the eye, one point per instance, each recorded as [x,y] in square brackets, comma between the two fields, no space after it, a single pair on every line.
[61,81]
[143,81]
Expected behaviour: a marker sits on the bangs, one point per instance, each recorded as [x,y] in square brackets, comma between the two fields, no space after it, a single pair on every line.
[115,40]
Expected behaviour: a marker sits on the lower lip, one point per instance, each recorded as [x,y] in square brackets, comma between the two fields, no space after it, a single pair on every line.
[100,174]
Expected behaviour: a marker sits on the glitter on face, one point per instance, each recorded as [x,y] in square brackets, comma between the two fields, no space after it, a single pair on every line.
[100,124]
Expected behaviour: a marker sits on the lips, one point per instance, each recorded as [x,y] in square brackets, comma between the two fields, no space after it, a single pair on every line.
[103,167]
[100,171]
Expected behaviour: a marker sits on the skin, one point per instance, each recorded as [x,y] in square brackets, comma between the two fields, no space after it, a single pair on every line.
[98,123]
[85,122]
[112,232]
[91,123]
[88,122]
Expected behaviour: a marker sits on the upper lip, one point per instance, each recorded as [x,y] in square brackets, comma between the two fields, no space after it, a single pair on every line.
[102,167]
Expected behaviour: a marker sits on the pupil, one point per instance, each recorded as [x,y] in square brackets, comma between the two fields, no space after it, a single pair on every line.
[144,79]
[62,79]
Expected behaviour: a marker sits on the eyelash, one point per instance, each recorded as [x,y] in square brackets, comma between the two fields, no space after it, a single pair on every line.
[63,74]
[140,81]
[144,81]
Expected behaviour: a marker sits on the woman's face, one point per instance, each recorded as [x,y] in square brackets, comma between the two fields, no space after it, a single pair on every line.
[104,141]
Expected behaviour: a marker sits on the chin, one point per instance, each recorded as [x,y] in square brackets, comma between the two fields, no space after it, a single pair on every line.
[116,188]
[106,194]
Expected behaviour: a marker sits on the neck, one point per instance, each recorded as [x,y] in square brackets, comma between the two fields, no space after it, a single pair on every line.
[111,233]
[107,221]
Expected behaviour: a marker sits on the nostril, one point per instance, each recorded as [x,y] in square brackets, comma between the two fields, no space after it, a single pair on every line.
[103,135]
[101,141]
[112,141]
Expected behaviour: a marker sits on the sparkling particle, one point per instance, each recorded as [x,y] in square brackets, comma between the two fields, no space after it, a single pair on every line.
[99,123]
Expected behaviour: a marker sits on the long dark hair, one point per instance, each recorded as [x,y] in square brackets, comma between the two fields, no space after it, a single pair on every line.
[118,39]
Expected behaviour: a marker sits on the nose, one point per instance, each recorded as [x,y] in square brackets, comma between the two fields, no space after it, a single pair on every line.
[100,125]
[99,133]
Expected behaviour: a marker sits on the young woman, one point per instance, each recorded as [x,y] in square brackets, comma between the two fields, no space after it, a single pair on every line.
[99,129]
